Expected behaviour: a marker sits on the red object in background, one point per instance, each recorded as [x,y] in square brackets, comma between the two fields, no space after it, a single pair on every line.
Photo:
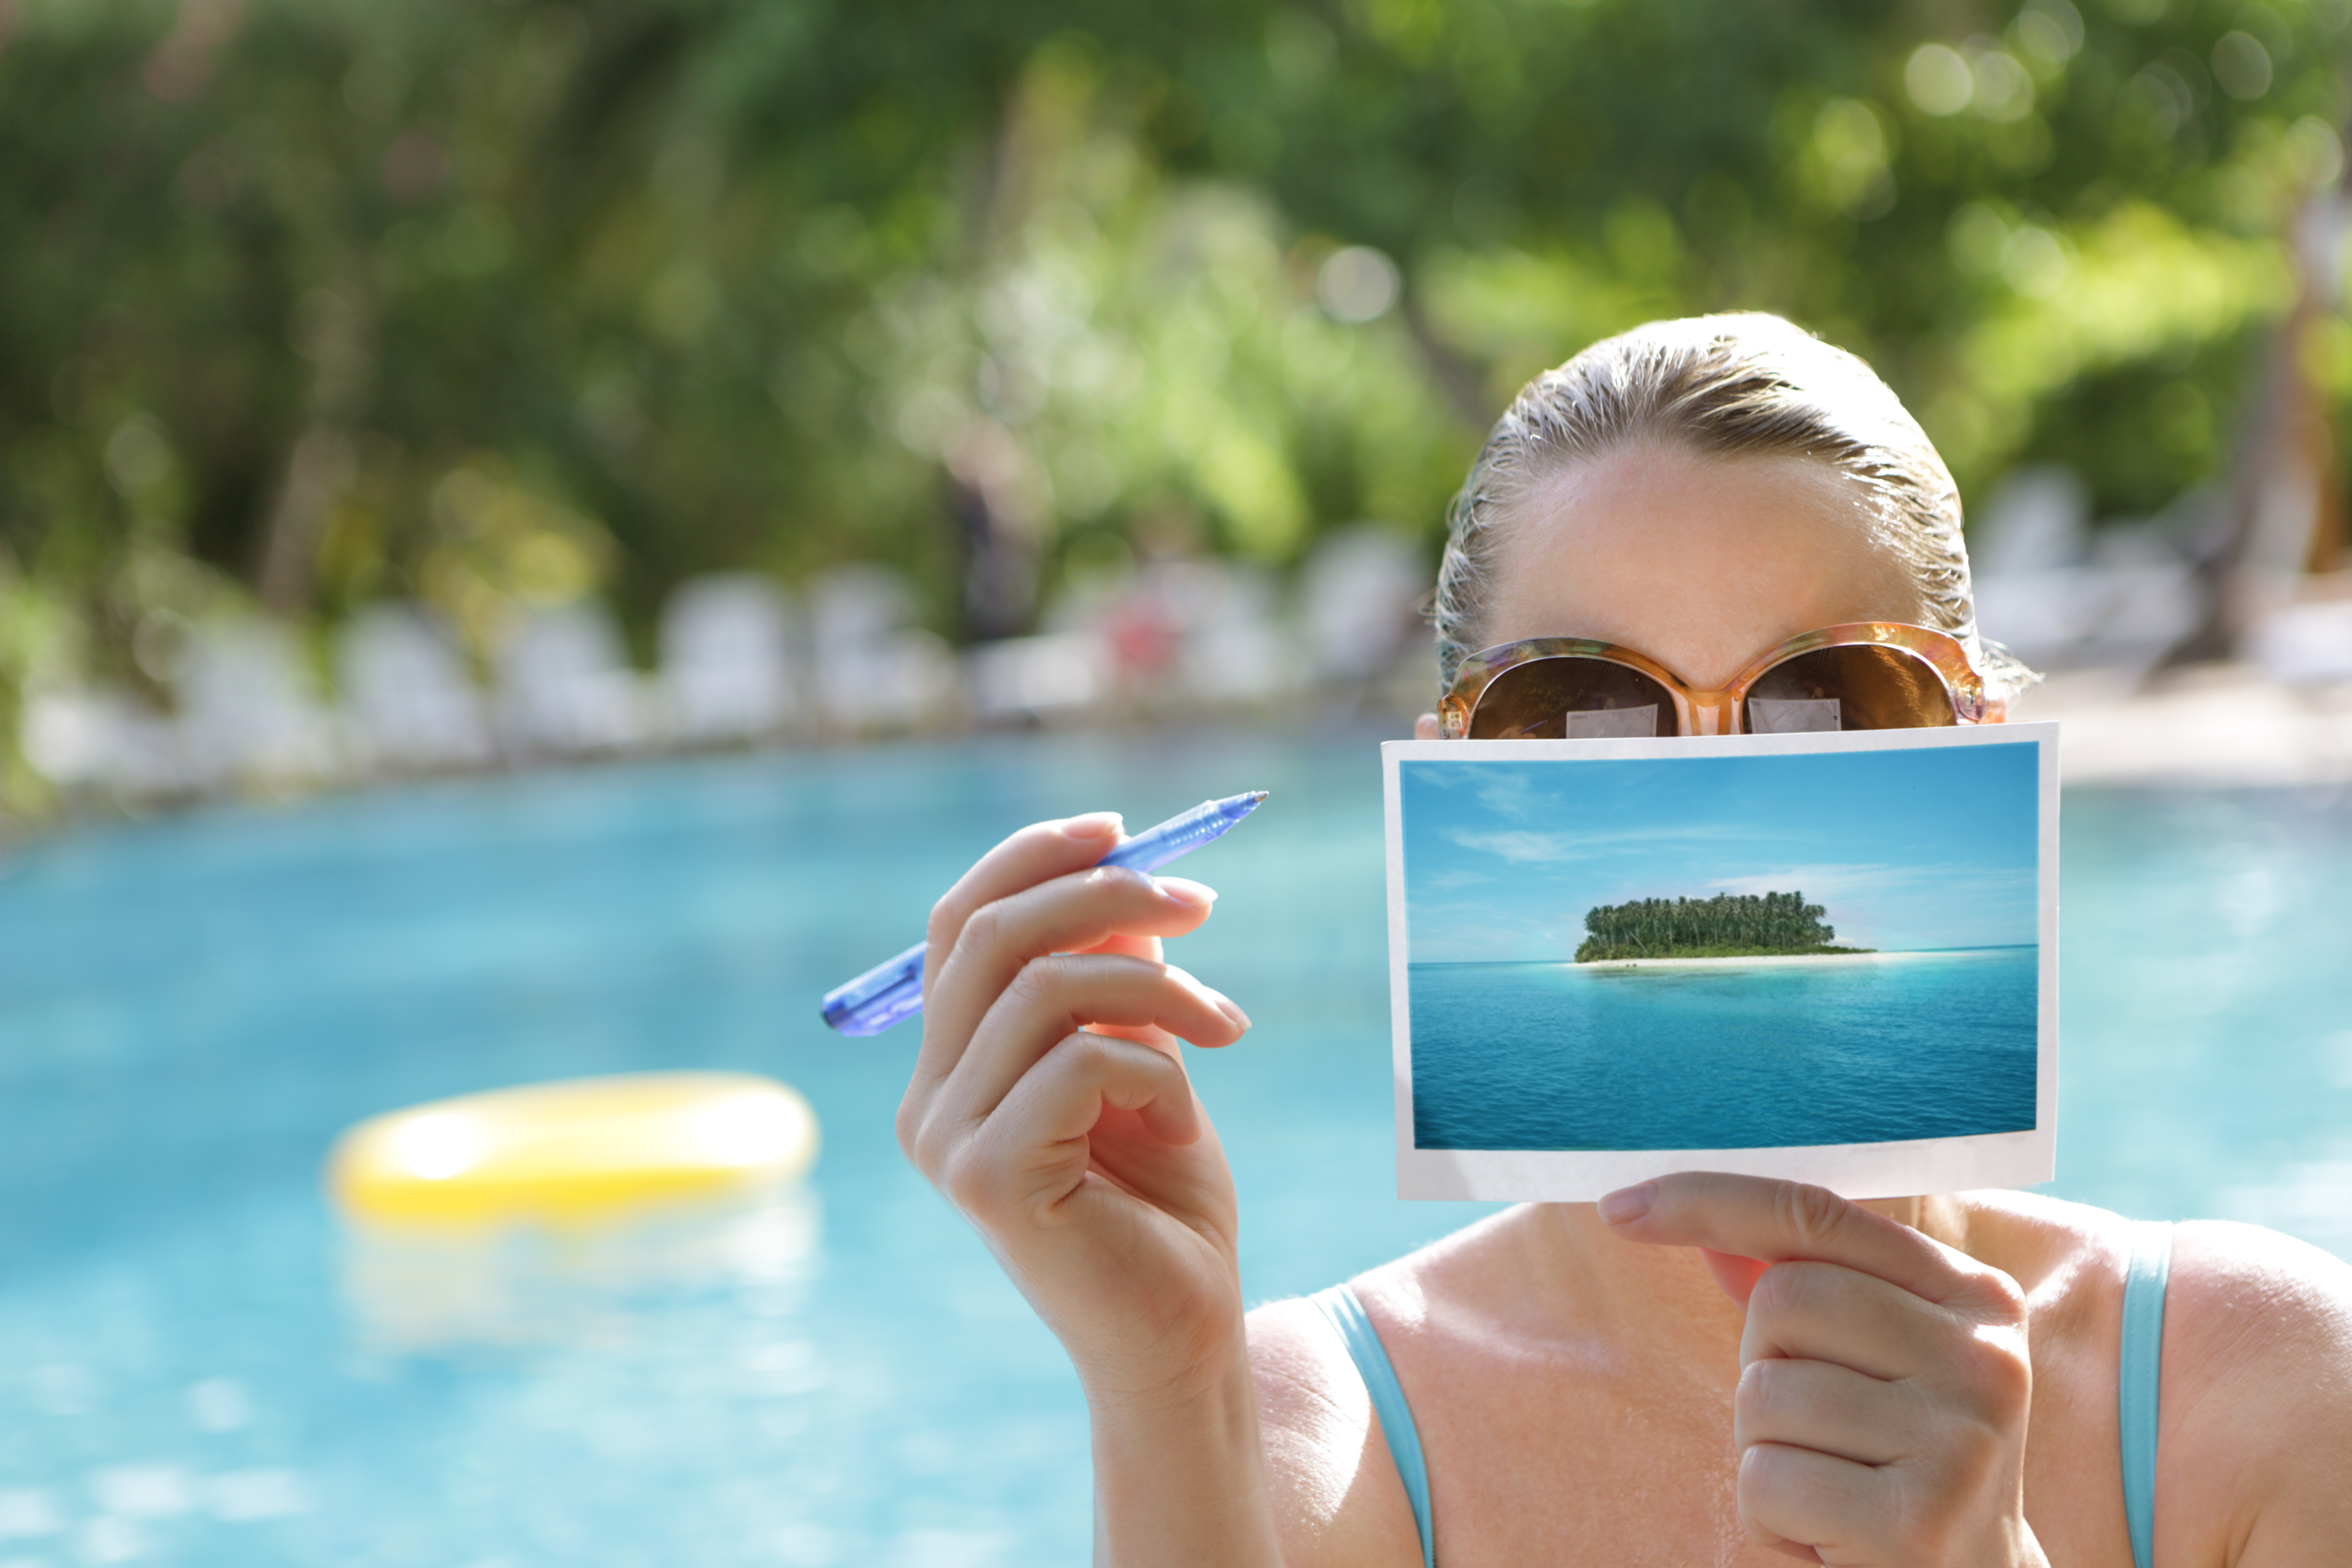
[1143,635]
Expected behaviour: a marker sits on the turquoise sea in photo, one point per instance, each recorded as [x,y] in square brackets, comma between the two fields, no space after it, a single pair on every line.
[1730,1055]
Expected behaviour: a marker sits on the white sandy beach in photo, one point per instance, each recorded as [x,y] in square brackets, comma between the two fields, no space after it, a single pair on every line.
[1741,960]
[1778,958]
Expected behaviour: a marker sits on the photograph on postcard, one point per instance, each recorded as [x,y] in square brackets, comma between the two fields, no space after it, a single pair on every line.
[1781,943]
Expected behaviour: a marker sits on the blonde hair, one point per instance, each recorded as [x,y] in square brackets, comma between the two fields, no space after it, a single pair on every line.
[1742,385]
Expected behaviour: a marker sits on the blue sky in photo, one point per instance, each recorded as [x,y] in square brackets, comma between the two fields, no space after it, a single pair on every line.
[1932,848]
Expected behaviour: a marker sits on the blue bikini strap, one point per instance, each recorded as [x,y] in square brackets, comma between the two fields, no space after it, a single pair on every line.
[2141,1367]
[1346,1314]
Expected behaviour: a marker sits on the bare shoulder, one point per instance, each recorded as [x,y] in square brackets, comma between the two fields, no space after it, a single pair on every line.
[1308,1393]
[2258,1387]
[2245,1308]
[1307,1381]
[2242,1288]
[2259,1323]
[1335,1496]
[2256,1400]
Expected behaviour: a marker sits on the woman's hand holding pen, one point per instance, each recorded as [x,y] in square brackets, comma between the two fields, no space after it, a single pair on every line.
[1050,1105]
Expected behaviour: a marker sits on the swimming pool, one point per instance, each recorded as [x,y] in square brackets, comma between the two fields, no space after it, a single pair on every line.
[200,1370]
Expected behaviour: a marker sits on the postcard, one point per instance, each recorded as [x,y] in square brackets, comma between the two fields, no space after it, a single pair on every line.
[1829,957]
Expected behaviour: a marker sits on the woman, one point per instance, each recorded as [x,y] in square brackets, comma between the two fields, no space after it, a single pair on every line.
[1703,1369]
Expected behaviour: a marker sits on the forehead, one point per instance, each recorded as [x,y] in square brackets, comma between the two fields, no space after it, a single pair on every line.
[1702,562]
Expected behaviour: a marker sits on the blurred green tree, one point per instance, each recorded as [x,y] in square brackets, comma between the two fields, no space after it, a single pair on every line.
[497,303]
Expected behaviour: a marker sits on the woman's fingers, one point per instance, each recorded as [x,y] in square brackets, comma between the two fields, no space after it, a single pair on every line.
[1062,1101]
[1050,1103]
[1133,946]
[1886,1380]
[1830,1409]
[1182,888]
[1070,913]
[1818,1508]
[1824,1311]
[1780,1222]
[1038,853]
[1054,997]
[1031,1152]
[1841,1283]
[1823,1509]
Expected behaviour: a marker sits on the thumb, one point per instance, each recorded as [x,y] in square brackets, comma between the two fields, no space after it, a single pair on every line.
[1737,1275]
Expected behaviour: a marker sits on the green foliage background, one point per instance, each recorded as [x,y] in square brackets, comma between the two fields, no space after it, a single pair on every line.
[516,299]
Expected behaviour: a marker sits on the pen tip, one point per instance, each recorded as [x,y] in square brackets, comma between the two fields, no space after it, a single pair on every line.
[1257,796]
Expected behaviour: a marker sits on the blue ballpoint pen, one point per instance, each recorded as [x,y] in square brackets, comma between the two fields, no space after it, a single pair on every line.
[894,990]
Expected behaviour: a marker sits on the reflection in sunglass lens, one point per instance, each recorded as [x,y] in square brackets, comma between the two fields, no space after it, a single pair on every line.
[1856,688]
[1554,698]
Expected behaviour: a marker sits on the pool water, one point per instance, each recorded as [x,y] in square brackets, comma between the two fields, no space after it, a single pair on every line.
[201,1369]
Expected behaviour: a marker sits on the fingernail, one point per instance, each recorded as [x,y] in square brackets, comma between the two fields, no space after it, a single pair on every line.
[1184,891]
[1093,825]
[1226,1005]
[1628,1204]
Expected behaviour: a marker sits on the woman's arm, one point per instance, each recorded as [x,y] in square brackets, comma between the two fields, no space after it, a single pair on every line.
[1050,1104]
[1183,1480]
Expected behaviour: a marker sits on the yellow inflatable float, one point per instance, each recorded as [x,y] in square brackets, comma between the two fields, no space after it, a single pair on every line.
[574,1152]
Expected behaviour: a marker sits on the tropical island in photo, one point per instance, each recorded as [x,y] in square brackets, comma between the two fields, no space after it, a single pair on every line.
[1729,925]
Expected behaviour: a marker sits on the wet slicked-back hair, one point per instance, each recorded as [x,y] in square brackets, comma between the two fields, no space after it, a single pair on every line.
[1745,384]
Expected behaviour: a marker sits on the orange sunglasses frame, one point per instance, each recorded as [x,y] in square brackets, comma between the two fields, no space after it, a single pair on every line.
[1698,712]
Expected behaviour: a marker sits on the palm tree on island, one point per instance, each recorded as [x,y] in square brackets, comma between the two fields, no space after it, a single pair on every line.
[1729,925]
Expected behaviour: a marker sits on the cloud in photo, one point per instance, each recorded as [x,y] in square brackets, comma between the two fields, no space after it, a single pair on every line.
[1502,858]
[1505,795]
[1519,847]
[1526,847]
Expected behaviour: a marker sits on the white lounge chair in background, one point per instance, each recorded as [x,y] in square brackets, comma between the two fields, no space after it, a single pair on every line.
[409,702]
[2304,645]
[102,740]
[1048,677]
[727,660]
[1234,648]
[2148,595]
[1359,601]
[873,668]
[565,688]
[2026,552]
[247,710]
[2064,596]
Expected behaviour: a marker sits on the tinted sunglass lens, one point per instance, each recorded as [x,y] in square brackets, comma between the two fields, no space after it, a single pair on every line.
[1858,687]
[1571,697]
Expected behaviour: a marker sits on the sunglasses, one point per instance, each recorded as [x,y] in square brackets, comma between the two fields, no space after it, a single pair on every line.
[1865,675]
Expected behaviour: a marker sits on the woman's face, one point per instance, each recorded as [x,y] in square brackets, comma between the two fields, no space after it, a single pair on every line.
[1701,562]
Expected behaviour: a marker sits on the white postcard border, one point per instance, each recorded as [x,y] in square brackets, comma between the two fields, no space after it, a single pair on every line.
[1901,1169]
